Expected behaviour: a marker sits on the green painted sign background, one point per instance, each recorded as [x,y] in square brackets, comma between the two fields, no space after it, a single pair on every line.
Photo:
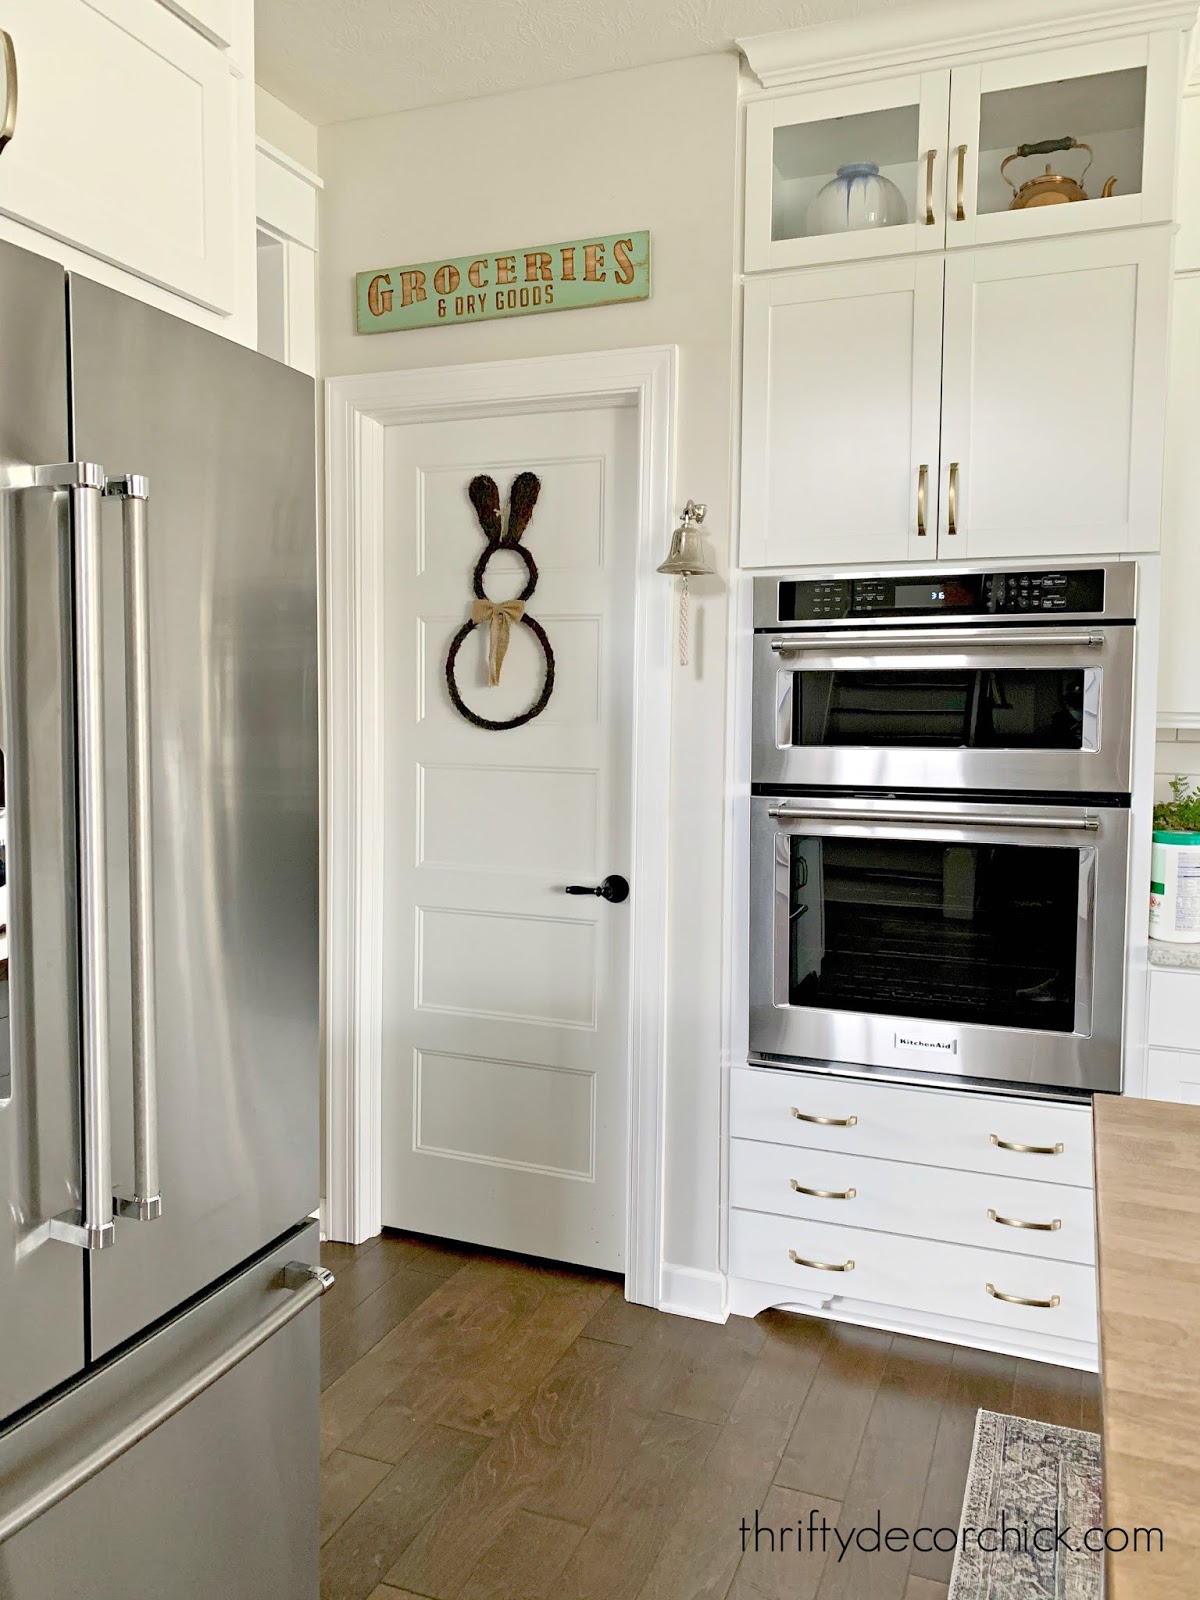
[599,271]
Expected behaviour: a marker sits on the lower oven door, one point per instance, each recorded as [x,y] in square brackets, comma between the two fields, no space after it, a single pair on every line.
[984,940]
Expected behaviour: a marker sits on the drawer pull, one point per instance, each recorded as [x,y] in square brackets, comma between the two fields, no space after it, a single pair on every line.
[823,1194]
[1027,1149]
[1036,1227]
[821,1266]
[825,1122]
[1020,1300]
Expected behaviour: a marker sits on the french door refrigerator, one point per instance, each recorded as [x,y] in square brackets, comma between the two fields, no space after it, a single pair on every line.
[158,1056]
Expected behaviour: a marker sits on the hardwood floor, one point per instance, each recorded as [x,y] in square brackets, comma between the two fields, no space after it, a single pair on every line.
[495,1428]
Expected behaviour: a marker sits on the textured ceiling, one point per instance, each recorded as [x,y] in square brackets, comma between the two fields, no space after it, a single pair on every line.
[332,60]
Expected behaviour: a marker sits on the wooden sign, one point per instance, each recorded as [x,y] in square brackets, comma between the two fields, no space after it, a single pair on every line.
[511,283]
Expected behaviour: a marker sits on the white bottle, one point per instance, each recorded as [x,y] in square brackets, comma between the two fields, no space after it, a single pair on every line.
[1175,888]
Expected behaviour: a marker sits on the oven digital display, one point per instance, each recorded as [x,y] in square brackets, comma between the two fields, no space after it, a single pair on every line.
[921,596]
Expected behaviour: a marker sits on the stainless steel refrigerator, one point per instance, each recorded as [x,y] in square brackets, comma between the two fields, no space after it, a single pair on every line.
[159,1059]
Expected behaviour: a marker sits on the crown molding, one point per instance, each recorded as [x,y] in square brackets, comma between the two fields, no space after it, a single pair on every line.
[939,33]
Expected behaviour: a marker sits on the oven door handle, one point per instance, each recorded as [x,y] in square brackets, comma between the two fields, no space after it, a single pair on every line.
[1082,821]
[947,638]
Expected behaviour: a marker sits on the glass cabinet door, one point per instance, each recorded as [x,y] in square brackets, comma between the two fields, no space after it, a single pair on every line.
[1063,141]
[840,174]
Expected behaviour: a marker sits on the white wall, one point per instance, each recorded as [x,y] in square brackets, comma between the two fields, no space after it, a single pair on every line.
[651,148]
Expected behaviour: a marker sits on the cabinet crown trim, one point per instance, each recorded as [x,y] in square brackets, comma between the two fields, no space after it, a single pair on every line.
[933,35]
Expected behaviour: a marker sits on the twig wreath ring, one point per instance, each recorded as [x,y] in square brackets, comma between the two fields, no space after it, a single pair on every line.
[500,615]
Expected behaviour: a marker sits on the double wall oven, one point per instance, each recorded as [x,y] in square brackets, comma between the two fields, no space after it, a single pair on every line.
[941,776]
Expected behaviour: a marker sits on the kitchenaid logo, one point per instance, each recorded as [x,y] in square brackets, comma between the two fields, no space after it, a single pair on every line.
[911,1041]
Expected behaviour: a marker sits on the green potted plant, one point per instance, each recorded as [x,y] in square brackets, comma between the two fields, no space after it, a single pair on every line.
[1175,865]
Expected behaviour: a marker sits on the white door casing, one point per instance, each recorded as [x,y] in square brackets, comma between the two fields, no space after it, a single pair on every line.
[505,1038]
[360,413]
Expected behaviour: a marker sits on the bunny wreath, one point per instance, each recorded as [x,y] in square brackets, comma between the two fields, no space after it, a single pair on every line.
[500,614]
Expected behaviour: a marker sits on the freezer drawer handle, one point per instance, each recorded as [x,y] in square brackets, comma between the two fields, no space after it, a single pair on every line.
[145,1203]
[91,1228]
[305,1283]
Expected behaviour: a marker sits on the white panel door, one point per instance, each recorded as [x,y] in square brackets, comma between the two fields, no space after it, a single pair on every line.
[1054,396]
[506,1040]
[841,398]
[124,141]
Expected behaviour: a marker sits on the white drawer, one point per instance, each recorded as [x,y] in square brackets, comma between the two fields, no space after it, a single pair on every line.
[1174,1009]
[948,1280]
[934,1127]
[926,1202]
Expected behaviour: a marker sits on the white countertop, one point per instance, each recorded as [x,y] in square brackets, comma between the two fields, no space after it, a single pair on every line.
[1185,957]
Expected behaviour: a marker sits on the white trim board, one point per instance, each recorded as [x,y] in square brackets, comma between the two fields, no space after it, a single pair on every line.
[357,411]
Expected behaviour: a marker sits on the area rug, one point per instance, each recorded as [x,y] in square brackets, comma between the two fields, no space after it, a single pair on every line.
[1033,1492]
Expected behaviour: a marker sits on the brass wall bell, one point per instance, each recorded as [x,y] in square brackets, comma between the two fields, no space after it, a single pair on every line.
[686,559]
[1050,188]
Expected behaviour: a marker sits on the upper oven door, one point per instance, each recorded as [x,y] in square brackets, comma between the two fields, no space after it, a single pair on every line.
[981,940]
[1024,709]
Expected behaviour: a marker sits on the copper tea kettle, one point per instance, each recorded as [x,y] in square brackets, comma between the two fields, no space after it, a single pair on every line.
[1050,188]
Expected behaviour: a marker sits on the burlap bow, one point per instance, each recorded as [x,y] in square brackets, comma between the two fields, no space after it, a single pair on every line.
[500,614]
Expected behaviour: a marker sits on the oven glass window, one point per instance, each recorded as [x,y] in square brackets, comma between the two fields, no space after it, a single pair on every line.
[944,708]
[981,933]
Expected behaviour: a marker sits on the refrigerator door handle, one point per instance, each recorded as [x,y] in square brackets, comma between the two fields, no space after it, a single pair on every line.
[91,1228]
[306,1284]
[145,1203]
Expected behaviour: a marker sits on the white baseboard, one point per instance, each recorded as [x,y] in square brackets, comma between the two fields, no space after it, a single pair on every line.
[689,1292]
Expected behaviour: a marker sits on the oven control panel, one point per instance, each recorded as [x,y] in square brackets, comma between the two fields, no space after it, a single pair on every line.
[961,594]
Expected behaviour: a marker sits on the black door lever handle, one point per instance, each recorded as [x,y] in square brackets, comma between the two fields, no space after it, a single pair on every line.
[614,889]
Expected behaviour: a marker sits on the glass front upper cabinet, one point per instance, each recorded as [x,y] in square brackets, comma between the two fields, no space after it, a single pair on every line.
[1063,141]
[840,174]
[1053,142]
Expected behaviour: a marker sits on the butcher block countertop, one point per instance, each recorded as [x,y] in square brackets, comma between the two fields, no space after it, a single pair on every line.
[1148,1239]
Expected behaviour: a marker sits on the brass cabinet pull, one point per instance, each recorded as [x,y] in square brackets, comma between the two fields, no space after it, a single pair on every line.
[823,1194]
[952,514]
[960,214]
[922,491]
[822,1266]
[1035,1227]
[1027,1149]
[1020,1300]
[9,126]
[825,1122]
[930,158]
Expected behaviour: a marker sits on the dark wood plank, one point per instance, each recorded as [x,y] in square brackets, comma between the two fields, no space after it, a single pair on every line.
[367,1545]
[347,1336]
[700,1555]
[889,1477]
[824,1445]
[440,1560]
[783,1559]
[1090,1415]
[346,1481]
[1048,1394]
[714,1363]
[621,1321]
[526,1560]
[441,1258]
[978,1379]
[622,1544]
[358,1277]
[481,1312]
[490,1394]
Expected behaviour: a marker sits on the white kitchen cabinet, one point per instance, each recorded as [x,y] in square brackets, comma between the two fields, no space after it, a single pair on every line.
[1119,97]
[841,398]
[795,144]
[1053,397]
[125,142]
[939,123]
[1173,1075]
[1179,637]
[1035,403]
